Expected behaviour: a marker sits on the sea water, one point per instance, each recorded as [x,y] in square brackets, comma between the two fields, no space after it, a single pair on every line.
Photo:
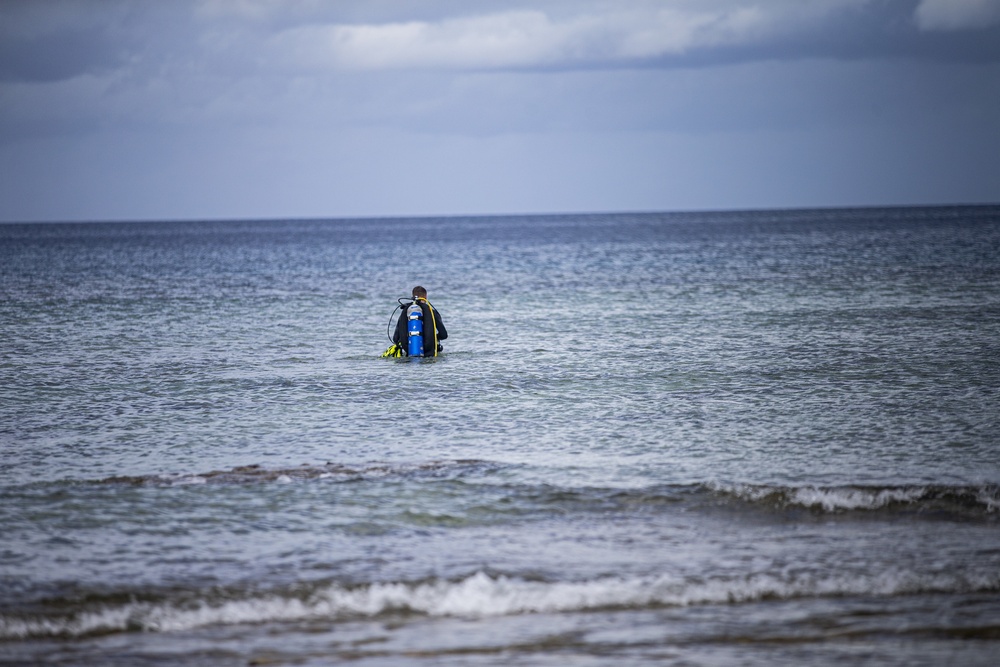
[766,437]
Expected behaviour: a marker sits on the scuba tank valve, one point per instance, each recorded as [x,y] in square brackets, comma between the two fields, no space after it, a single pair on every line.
[415,330]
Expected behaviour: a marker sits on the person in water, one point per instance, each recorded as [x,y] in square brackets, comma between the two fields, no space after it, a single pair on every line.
[434,331]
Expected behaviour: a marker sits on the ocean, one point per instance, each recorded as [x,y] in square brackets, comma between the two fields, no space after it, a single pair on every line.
[712,438]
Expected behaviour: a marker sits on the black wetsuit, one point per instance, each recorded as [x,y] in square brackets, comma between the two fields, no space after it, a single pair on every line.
[401,334]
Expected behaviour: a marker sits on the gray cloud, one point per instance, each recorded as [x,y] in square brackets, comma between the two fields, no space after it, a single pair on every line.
[254,106]
[58,56]
[657,34]
[62,38]
[66,64]
[957,14]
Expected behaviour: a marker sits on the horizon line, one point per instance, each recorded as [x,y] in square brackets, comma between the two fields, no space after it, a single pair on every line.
[432,216]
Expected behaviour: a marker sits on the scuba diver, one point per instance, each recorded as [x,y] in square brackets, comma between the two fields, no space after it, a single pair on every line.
[419,329]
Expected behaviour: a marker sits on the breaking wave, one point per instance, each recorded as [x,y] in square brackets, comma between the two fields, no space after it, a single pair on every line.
[477,596]
[250,474]
[984,498]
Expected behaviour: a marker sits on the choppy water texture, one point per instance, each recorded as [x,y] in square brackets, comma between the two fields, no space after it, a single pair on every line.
[735,438]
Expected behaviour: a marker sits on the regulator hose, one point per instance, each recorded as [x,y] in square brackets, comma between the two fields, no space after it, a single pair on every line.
[401,306]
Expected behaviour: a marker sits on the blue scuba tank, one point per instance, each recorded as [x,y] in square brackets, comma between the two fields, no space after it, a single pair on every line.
[415,330]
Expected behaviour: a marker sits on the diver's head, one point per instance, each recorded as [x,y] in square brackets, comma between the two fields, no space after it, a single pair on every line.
[419,292]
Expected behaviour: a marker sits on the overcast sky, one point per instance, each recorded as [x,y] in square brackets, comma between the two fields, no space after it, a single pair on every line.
[273,108]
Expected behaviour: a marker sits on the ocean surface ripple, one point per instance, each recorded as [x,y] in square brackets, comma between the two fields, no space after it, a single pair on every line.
[765,437]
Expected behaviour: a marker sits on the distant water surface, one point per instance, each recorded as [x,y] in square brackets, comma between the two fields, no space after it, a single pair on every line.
[766,437]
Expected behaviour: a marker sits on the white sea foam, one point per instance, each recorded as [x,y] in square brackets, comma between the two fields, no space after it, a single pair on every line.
[853,498]
[833,499]
[989,498]
[182,480]
[482,596]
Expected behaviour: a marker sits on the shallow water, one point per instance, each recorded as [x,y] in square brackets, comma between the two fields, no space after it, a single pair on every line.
[717,438]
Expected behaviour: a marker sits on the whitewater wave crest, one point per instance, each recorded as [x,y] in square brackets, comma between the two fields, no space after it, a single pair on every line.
[476,596]
[984,498]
